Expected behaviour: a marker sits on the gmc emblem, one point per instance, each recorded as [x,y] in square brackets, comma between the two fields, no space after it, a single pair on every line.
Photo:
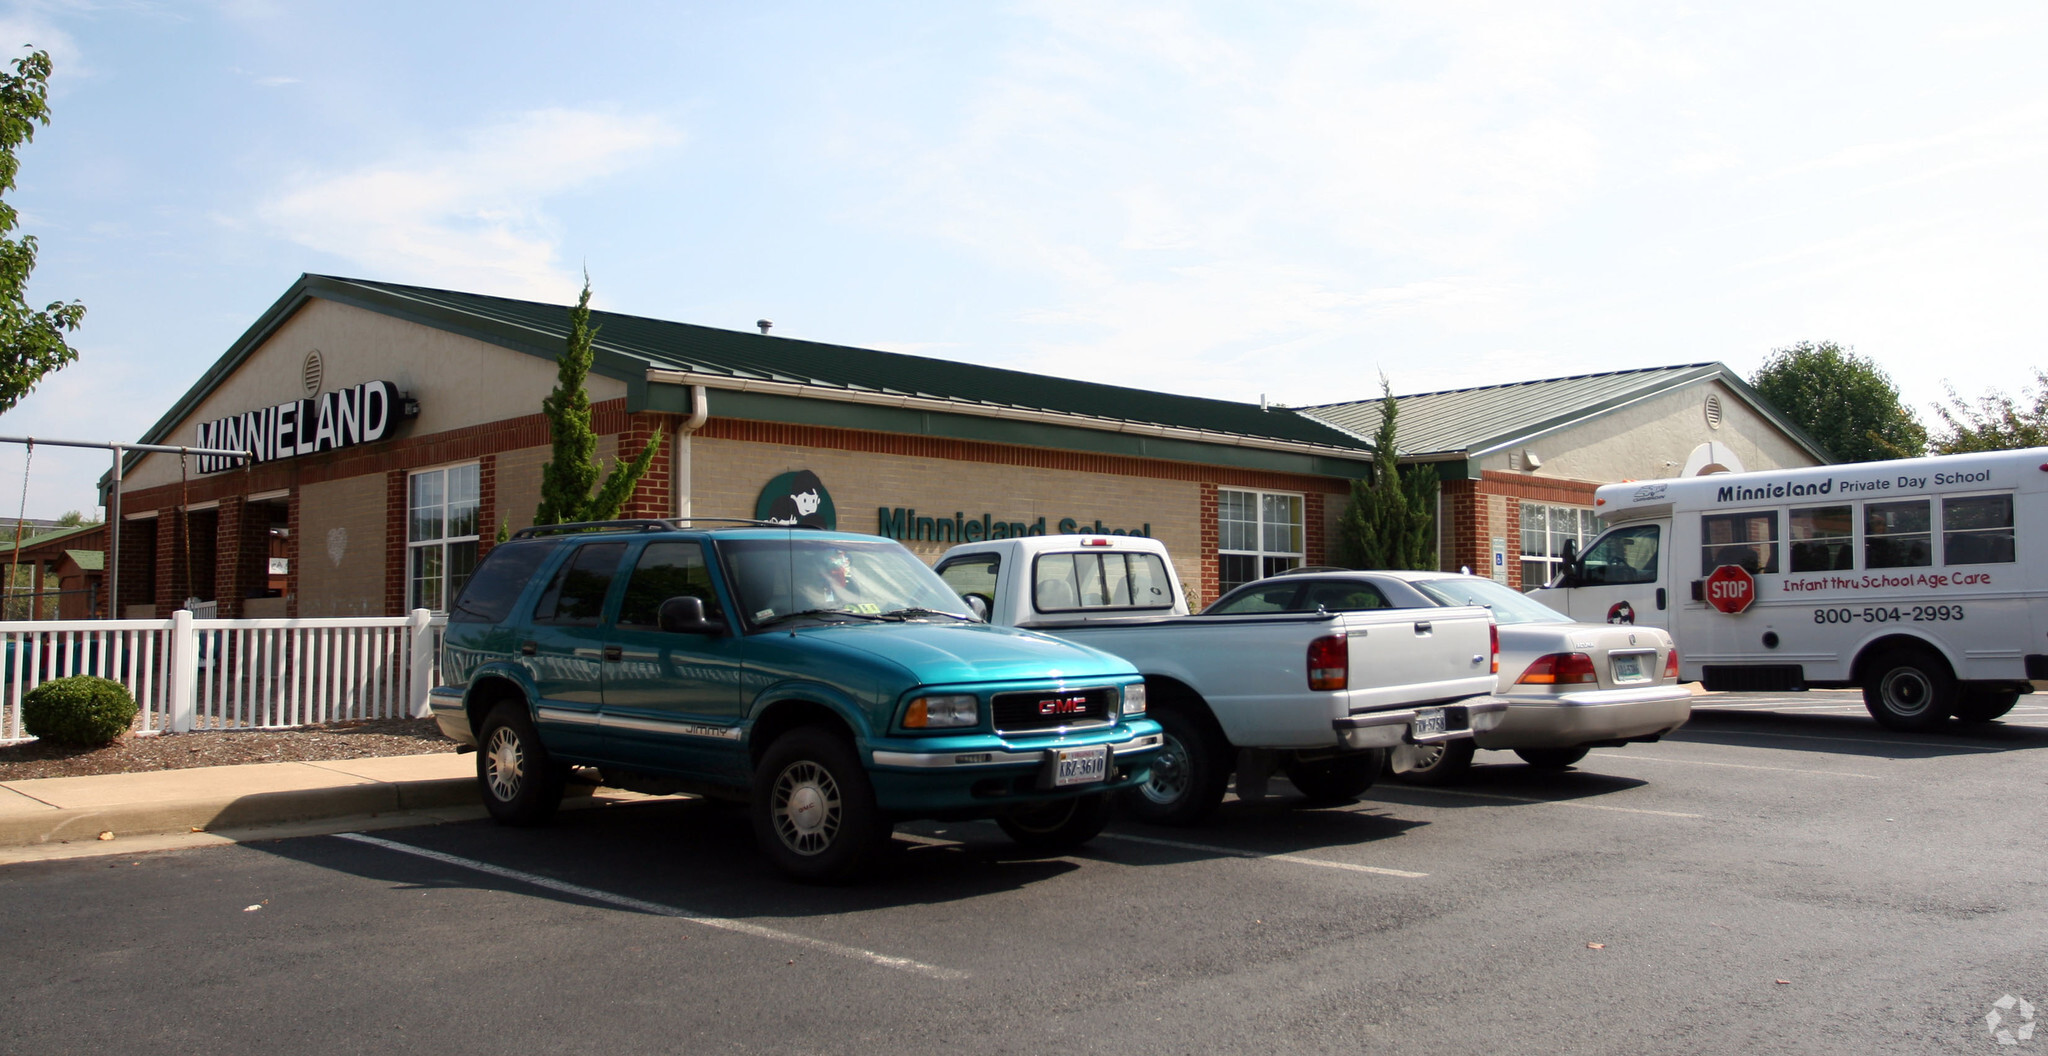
[1063,706]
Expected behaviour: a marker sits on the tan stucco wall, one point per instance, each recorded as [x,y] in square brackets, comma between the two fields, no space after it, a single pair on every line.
[727,477]
[519,479]
[1653,438]
[458,381]
[341,557]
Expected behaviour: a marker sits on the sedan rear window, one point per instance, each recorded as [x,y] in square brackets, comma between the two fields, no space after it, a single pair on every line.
[1508,606]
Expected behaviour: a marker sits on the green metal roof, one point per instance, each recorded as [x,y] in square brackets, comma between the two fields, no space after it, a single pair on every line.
[628,346]
[1469,423]
[89,560]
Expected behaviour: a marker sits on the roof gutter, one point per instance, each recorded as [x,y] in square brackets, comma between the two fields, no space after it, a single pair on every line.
[989,410]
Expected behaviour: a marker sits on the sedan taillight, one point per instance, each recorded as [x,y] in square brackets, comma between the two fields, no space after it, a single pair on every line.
[1329,662]
[1671,665]
[1561,669]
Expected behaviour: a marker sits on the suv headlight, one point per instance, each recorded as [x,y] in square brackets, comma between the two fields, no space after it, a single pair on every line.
[942,711]
[1134,699]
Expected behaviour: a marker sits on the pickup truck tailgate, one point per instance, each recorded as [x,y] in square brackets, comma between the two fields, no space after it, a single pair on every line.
[1404,657]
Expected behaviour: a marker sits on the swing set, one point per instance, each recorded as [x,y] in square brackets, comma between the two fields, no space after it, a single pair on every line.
[120,451]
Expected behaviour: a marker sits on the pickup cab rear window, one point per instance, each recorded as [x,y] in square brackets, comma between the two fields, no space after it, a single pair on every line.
[1072,582]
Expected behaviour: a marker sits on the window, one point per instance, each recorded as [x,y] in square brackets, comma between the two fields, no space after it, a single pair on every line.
[576,597]
[1545,530]
[1897,535]
[1823,539]
[1100,581]
[1623,556]
[1258,535]
[1342,596]
[1747,540]
[664,571]
[973,577]
[1977,530]
[498,582]
[1272,597]
[441,534]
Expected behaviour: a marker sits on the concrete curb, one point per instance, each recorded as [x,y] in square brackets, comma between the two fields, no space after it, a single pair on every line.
[58,810]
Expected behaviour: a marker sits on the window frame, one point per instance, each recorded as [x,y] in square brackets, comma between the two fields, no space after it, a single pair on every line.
[1551,560]
[1265,560]
[449,582]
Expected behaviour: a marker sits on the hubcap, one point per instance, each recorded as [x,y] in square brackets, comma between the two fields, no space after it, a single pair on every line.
[1427,756]
[1907,691]
[505,766]
[805,806]
[1169,779]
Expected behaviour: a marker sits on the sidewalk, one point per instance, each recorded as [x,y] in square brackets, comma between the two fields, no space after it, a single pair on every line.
[73,810]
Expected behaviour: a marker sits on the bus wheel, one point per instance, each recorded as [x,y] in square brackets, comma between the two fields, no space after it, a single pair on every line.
[1910,690]
[1983,705]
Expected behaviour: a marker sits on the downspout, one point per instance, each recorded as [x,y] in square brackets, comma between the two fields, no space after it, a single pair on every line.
[679,455]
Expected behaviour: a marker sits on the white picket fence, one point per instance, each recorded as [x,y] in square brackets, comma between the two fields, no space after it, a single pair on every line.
[204,674]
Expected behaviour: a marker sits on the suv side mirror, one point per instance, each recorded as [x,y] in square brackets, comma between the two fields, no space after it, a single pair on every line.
[685,615]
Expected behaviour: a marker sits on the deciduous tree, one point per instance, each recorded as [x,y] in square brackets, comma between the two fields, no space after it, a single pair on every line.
[31,342]
[567,479]
[1998,423]
[1842,400]
[1388,523]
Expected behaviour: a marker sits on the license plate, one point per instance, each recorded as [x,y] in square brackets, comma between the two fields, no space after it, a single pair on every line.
[1428,722]
[1079,766]
[1628,668]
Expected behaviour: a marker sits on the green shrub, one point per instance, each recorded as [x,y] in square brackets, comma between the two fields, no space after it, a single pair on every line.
[80,711]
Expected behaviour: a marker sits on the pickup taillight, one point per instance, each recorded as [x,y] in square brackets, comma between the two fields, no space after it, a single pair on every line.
[1561,669]
[1493,632]
[1329,662]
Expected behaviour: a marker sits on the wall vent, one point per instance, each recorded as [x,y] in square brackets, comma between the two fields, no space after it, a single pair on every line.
[1713,410]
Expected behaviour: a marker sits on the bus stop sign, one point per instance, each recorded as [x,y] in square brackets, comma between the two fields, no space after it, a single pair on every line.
[1730,588]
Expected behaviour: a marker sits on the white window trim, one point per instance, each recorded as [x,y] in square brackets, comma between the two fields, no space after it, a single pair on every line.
[443,542]
[1549,563]
[1259,533]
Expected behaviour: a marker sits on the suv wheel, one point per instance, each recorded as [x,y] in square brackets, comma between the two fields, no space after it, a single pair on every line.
[814,810]
[521,783]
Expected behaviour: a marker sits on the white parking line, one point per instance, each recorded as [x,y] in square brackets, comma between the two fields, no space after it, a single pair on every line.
[1231,852]
[1294,859]
[656,908]
[1639,757]
[1544,802]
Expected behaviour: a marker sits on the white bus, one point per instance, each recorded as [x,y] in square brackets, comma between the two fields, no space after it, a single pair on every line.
[1923,581]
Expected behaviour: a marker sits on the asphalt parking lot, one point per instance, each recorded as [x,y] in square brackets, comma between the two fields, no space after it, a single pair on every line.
[1781,876]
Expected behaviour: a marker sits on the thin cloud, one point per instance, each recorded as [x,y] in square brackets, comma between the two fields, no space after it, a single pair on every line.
[470,216]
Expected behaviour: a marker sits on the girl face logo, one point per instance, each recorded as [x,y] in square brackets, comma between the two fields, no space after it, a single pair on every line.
[797,497]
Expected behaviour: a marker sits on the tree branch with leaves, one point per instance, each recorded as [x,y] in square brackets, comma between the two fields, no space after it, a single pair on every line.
[31,342]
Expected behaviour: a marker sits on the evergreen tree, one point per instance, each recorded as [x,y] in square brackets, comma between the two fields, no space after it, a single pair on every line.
[1388,523]
[566,481]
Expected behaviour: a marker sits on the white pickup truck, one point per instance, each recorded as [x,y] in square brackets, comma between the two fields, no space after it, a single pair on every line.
[1322,696]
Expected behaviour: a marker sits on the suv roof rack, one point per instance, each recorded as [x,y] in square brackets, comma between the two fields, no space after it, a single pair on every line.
[646,524]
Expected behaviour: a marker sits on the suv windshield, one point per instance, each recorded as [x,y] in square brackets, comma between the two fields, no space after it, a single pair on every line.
[777,579]
[1508,606]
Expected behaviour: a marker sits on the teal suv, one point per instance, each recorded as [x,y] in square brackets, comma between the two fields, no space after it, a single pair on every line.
[831,681]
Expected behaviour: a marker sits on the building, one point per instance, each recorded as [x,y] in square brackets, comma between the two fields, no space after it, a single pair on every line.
[1519,461]
[396,428]
[56,574]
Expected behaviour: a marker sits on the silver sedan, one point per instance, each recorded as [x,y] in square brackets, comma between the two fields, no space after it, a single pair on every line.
[1570,687]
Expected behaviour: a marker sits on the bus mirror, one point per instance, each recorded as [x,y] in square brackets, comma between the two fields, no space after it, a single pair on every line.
[1570,564]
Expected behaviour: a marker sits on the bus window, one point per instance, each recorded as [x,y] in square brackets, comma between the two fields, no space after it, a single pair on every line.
[1897,535]
[1823,539]
[1749,540]
[1625,555]
[1976,530]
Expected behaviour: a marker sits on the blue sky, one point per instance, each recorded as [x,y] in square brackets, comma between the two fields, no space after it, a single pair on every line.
[1220,199]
